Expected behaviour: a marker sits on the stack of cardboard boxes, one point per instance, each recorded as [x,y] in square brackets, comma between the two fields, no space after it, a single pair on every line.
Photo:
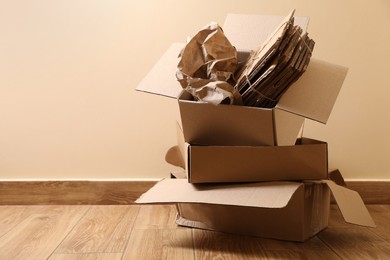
[249,170]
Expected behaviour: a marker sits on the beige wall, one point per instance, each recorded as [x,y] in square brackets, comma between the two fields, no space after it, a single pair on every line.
[68,70]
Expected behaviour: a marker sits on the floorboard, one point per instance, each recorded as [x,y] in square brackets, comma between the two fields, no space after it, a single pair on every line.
[160,244]
[104,229]
[156,236]
[12,215]
[39,233]
[217,245]
[149,232]
[381,215]
[87,256]
[156,217]
[356,243]
[313,248]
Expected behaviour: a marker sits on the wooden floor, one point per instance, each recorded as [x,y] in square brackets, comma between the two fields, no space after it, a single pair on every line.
[149,232]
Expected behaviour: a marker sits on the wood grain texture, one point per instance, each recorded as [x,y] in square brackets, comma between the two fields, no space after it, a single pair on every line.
[90,256]
[160,244]
[149,232]
[156,236]
[313,248]
[355,243]
[125,192]
[156,217]
[72,192]
[372,192]
[39,233]
[217,245]
[12,216]
[102,230]
[381,216]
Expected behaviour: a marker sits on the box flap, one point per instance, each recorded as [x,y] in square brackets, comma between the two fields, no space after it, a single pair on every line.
[248,32]
[351,205]
[176,155]
[314,93]
[181,142]
[262,194]
[335,175]
[287,127]
[161,79]
[178,175]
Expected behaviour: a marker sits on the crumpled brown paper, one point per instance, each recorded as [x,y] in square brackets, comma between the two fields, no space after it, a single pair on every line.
[207,65]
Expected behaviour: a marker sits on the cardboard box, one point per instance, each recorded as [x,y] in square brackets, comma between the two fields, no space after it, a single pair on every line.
[312,96]
[292,211]
[307,160]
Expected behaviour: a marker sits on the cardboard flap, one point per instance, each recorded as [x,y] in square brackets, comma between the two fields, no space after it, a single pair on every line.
[264,195]
[173,156]
[176,155]
[161,79]
[181,142]
[336,176]
[248,32]
[178,175]
[314,93]
[351,205]
[287,135]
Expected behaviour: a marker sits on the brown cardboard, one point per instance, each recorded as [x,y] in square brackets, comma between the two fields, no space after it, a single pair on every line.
[257,28]
[307,160]
[281,210]
[356,212]
[205,123]
[325,79]
[223,124]
[312,95]
[274,65]
[261,194]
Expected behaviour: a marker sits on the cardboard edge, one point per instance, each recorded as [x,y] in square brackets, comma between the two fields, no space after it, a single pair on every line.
[351,205]
[185,189]
[174,157]
[178,175]
[181,221]
[176,154]
[329,79]
[286,135]
[300,235]
[234,22]
[335,175]
[140,198]
[180,139]
[163,71]
[228,162]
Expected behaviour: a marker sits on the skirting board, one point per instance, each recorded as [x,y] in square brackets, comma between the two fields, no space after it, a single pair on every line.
[71,192]
[126,192]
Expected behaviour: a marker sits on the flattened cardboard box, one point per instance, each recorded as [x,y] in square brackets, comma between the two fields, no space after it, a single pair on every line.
[292,211]
[307,160]
[311,96]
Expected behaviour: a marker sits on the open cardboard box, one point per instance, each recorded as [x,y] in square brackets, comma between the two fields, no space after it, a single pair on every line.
[307,160]
[312,96]
[292,211]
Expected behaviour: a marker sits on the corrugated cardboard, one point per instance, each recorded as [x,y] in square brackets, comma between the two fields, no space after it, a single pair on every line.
[281,210]
[311,96]
[257,28]
[307,160]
